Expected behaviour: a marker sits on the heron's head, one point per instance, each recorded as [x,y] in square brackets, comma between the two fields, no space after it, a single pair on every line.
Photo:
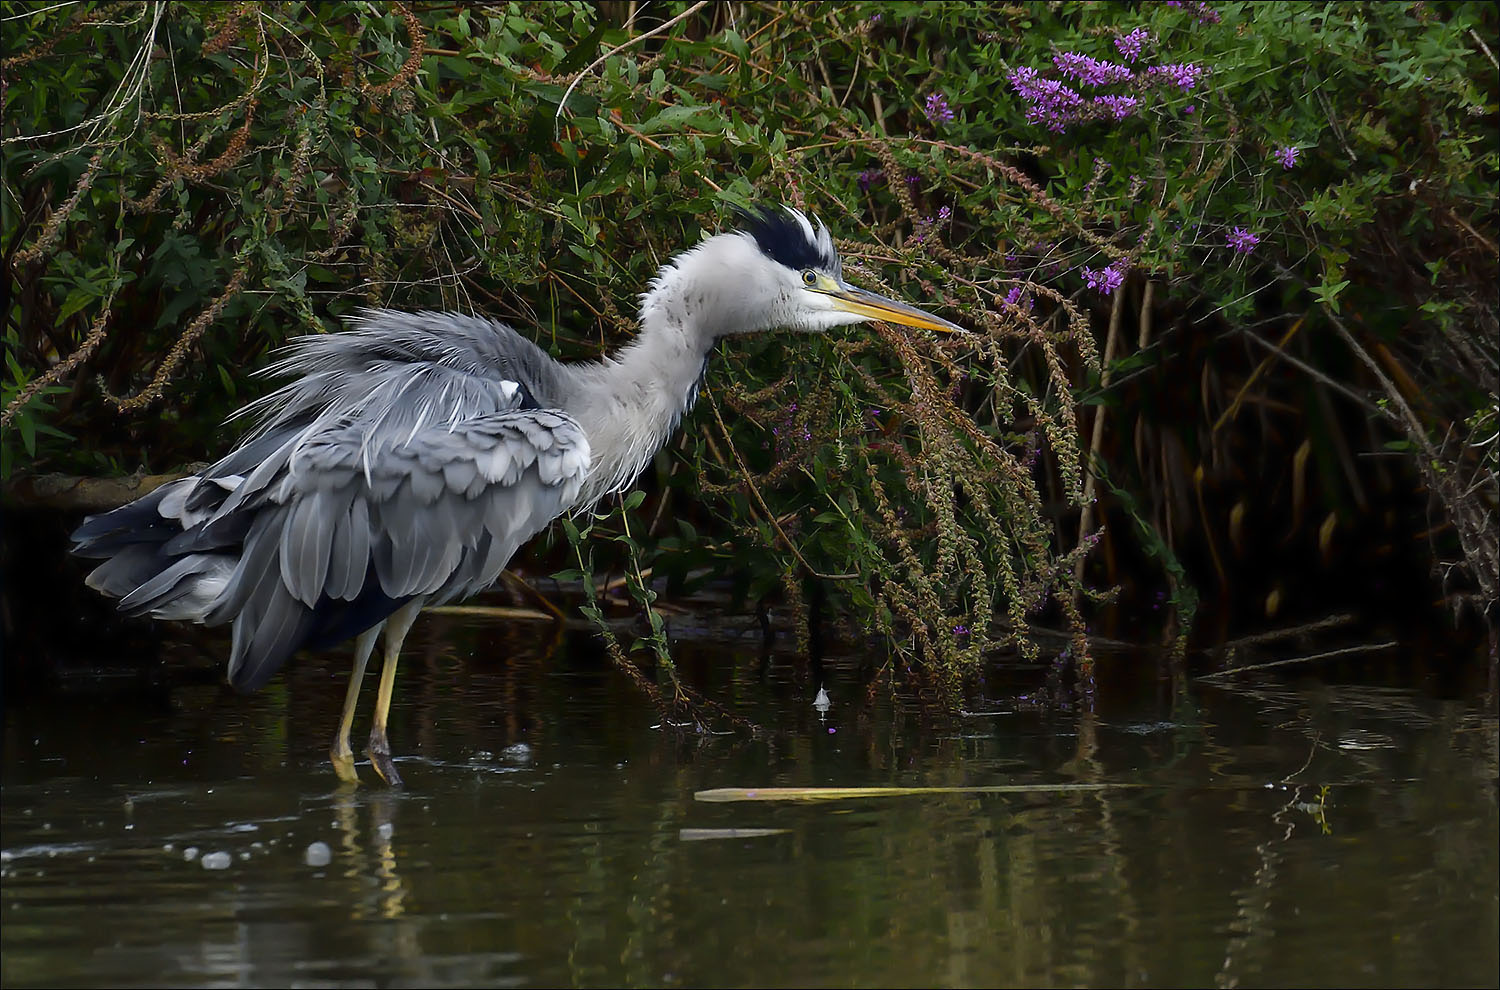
[777,270]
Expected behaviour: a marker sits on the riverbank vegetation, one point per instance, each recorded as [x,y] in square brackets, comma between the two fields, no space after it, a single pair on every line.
[1230,268]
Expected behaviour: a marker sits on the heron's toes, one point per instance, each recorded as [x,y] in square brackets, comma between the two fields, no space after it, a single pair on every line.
[343,764]
[379,752]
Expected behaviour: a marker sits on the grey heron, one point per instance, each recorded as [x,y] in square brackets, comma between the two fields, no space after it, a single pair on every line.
[412,454]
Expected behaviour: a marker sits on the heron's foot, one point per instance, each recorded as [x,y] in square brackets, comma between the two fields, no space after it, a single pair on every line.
[379,752]
[342,758]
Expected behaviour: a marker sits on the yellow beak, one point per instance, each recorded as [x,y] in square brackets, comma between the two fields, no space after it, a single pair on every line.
[877,307]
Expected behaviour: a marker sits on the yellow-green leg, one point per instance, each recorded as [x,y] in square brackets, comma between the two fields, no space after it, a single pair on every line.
[341,754]
[379,750]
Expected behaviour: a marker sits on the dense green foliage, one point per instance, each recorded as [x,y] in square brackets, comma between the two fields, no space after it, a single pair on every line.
[189,184]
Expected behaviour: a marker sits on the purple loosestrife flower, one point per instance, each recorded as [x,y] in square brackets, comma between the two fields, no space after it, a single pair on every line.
[1107,279]
[1287,156]
[1049,102]
[944,214]
[1130,45]
[1183,75]
[937,108]
[867,178]
[1118,107]
[1090,71]
[1242,240]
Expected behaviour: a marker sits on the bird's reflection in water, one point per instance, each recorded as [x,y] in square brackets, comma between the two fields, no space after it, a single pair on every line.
[371,853]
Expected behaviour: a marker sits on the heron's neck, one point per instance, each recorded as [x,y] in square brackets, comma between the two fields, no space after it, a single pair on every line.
[630,402]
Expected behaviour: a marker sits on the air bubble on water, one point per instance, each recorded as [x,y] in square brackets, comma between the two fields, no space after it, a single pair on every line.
[317,854]
[218,860]
[190,853]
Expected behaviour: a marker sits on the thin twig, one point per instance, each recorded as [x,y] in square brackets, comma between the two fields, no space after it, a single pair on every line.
[557,130]
[1312,658]
[1091,477]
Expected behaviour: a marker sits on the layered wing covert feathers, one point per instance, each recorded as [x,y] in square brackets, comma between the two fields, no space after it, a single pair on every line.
[406,460]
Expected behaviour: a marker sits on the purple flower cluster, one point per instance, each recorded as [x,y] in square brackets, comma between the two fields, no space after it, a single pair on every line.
[1130,45]
[1117,107]
[925,224]
[938,110]
[1242,240]
[1107,279]
[1090,71]
[1184,75]
[868,177]
[1049,102]
[789,433]
[1033,449]
[1287,156]
[1016,297]
[1056,105]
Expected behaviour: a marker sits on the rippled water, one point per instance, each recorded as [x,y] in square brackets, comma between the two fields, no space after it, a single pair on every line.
[548,835]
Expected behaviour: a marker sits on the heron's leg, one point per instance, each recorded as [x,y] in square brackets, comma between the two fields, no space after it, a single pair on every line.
[341,754]
[379,750]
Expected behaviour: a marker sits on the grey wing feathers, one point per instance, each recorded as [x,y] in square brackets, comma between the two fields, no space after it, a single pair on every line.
[409,457]
[411,506]
[434,514]
[413,363]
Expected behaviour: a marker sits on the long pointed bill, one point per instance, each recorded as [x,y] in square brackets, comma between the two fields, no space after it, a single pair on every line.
[877,307]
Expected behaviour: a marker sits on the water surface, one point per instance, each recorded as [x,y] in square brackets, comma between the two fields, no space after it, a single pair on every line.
[1273,834]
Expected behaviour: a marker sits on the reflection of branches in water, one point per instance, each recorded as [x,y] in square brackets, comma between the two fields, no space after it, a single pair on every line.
[1087,766]
[1364,701]
[1253,912]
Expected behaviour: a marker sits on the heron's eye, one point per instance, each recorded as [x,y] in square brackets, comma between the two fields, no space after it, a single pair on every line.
[809,277]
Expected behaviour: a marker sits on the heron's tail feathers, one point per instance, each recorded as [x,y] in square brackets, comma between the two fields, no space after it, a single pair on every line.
[196,550]
[142,567]
[184,590]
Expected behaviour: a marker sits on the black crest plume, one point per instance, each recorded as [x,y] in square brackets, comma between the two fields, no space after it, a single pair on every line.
[790,238]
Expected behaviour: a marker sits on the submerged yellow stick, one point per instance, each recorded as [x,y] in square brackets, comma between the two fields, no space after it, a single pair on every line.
[726,794]
[705,834]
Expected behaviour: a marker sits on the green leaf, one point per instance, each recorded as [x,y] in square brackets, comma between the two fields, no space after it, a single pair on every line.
[1328,293]
[678,117]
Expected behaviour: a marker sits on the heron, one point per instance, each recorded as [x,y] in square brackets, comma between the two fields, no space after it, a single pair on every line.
[410,455]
